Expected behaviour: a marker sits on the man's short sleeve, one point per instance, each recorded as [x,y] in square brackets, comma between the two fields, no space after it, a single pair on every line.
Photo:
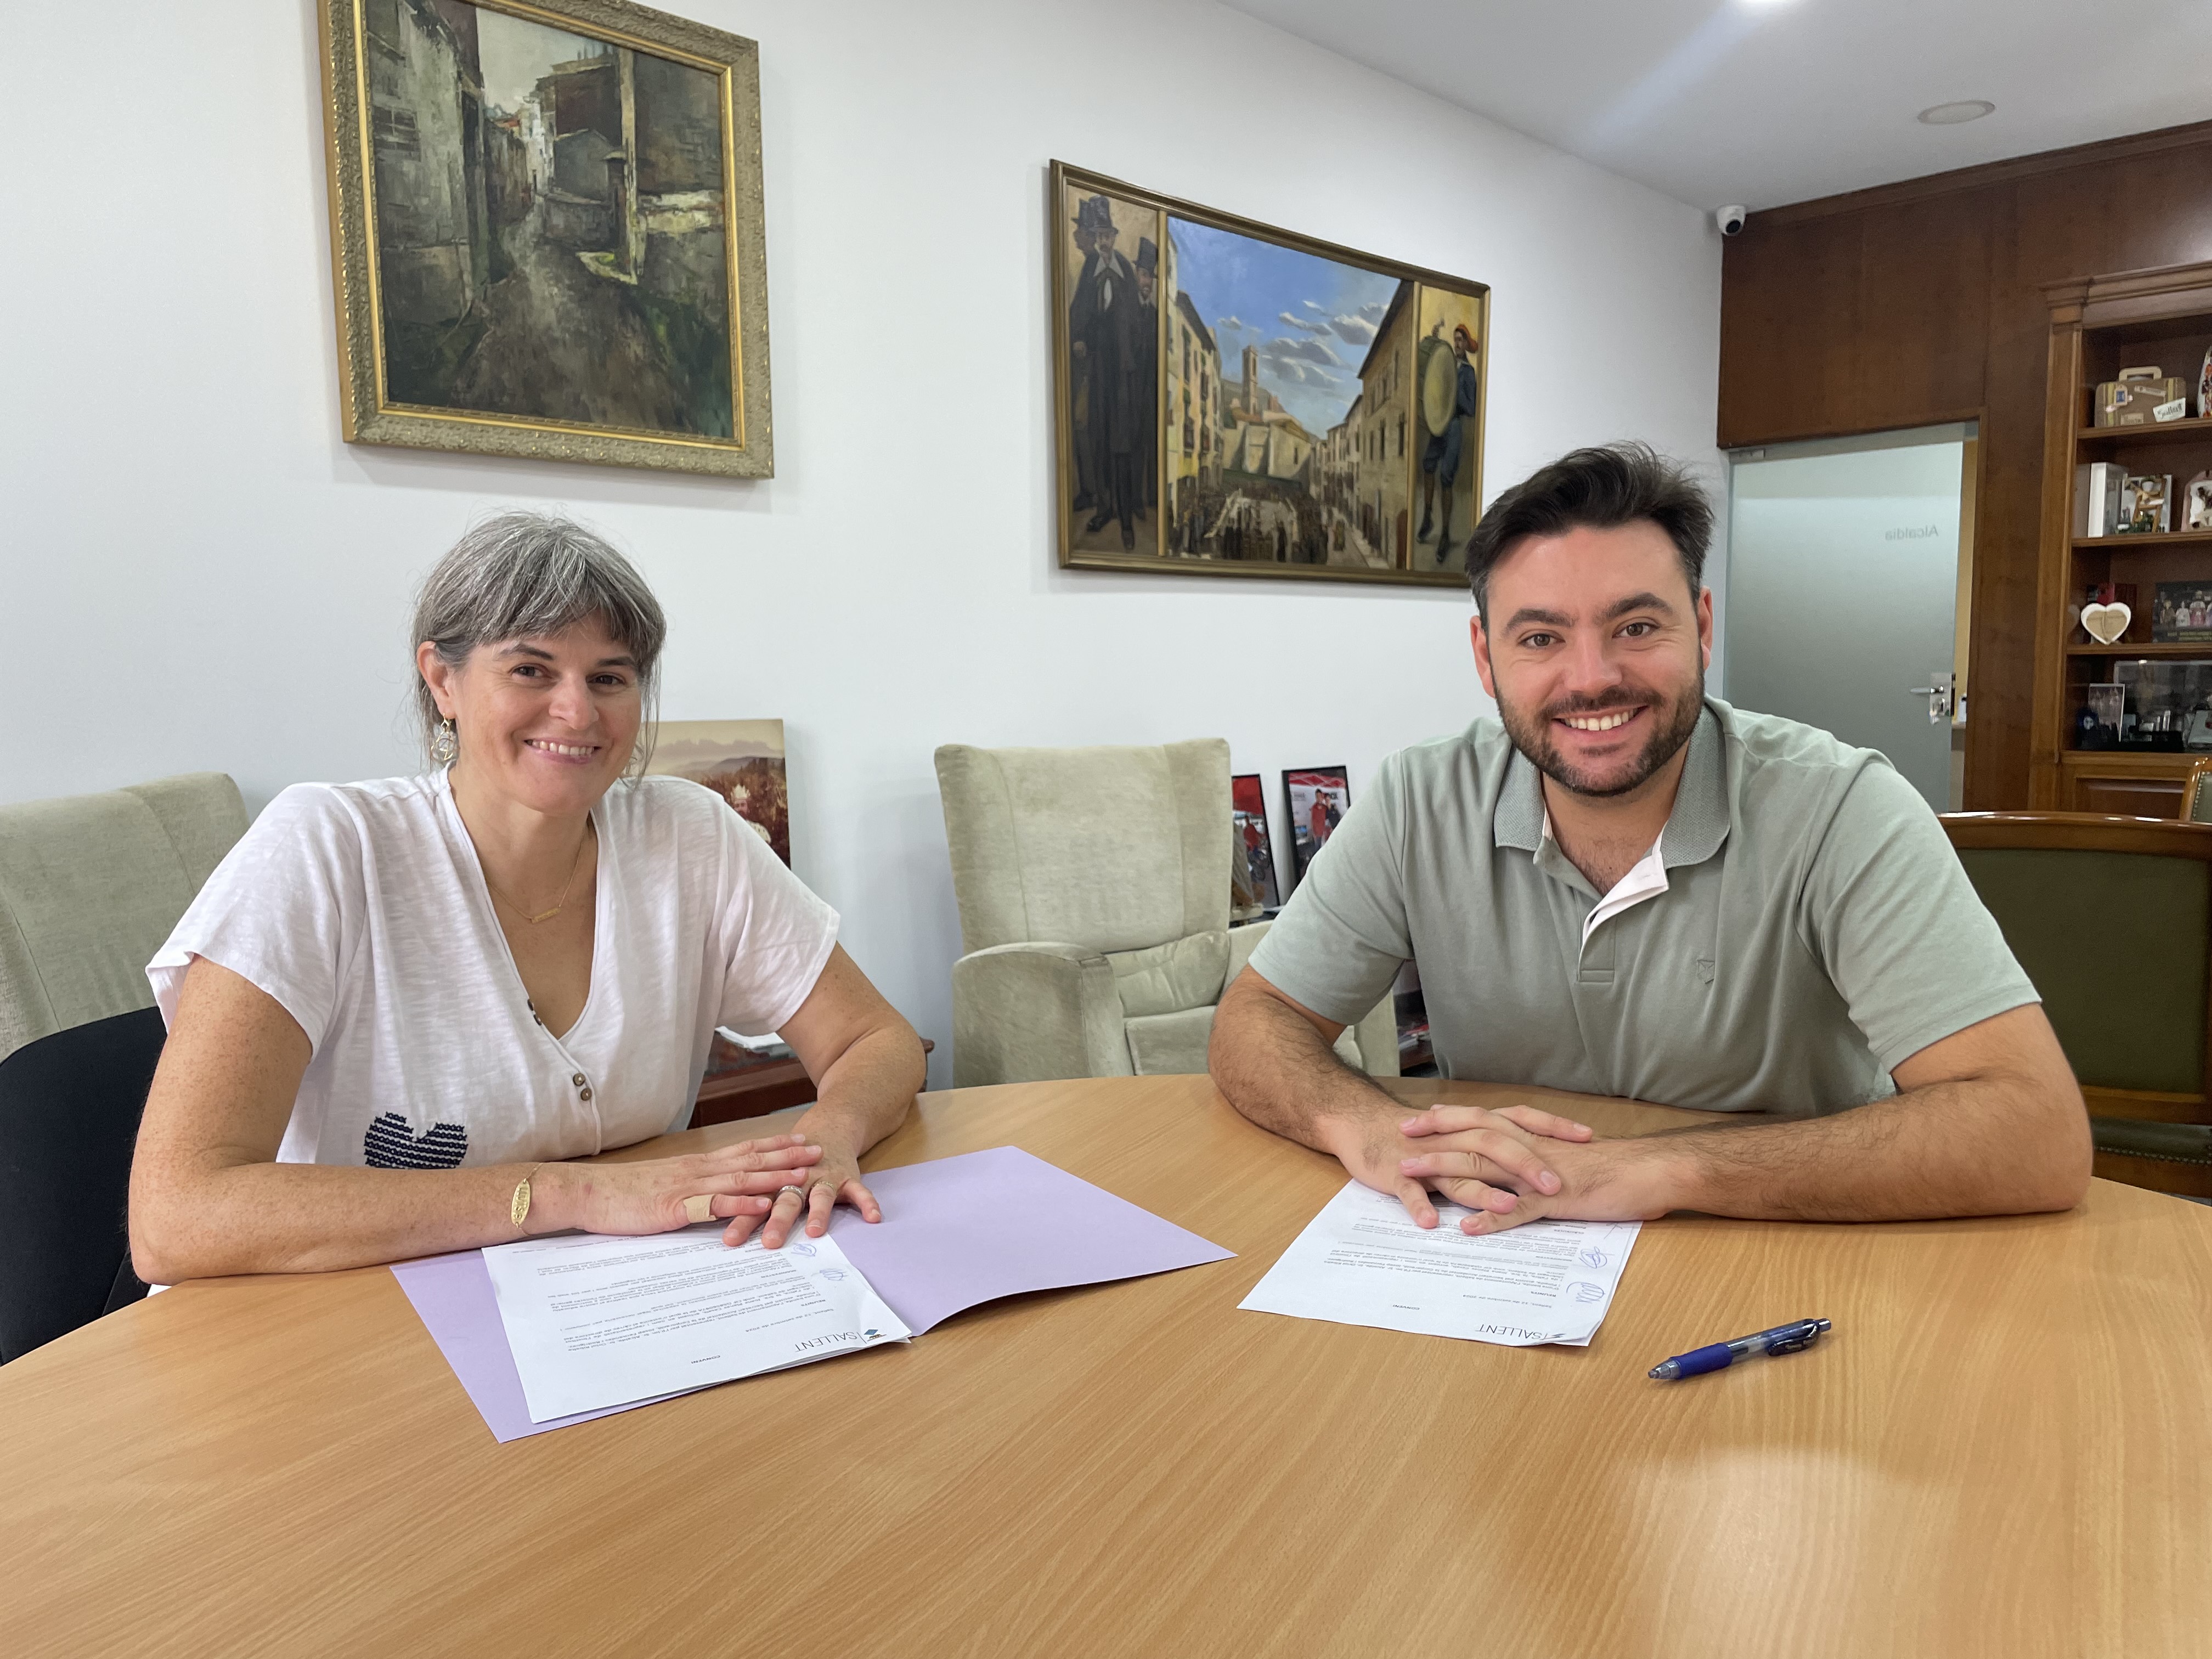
[1902,933]
[1342,937]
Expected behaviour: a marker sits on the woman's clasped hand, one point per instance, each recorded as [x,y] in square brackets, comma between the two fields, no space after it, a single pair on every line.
[740,1182]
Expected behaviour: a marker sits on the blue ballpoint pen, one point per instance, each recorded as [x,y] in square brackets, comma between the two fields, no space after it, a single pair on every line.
[1793,1338]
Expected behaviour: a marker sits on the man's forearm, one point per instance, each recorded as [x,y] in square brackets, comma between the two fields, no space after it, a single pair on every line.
[1277,1069]
[1979,1147]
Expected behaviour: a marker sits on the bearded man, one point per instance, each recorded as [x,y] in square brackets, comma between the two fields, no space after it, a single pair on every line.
[1620,885]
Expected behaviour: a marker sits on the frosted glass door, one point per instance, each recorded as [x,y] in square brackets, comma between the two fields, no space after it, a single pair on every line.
[1843,577]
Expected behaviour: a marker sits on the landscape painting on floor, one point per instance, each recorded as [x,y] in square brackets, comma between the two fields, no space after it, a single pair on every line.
[547,222]
[741,761]
[1234,399]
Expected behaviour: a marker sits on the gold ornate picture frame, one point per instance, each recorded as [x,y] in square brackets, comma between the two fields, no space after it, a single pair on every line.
[1232,399]
[546,233]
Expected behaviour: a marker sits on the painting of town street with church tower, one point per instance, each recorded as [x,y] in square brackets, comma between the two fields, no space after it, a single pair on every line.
[1233,399]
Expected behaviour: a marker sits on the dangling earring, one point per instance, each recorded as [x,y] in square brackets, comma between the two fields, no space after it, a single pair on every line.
[445,744]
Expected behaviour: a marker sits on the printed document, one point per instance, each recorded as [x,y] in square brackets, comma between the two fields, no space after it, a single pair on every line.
[1362,1262]
[595,1321]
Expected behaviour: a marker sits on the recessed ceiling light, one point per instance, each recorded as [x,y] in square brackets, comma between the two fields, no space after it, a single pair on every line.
[1949,115]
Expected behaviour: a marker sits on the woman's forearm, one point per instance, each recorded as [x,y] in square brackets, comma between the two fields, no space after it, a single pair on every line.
[867,1092]
[260,1218]
[193,1220]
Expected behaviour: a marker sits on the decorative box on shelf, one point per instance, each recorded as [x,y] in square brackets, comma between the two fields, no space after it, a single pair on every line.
[2143,398]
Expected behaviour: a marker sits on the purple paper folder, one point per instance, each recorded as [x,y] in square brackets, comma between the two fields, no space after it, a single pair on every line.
[954,1233]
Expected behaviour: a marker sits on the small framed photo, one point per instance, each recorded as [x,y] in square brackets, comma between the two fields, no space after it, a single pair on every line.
[1253,890]
[2105,702]
[1318,797]
[2146,504]
[2196,503]
[2182,614]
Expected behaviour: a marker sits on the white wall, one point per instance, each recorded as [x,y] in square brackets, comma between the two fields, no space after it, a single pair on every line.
[196,573]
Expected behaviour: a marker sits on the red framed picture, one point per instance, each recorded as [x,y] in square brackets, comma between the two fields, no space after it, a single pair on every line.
[1253,890]
[1318,797]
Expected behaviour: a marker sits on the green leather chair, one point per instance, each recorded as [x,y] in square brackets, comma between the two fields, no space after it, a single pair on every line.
[2112,918]
[1094,909]
[89,888]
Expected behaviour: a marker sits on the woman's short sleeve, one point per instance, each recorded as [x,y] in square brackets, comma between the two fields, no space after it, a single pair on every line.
[280,910]
[776,934]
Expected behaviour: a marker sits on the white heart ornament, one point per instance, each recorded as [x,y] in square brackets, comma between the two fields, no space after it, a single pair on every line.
[2106,622]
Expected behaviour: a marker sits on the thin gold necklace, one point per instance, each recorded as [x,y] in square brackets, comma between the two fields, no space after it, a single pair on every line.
[583,842]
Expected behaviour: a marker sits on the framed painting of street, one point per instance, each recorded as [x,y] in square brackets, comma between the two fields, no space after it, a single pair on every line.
[545,228]
[1233,399]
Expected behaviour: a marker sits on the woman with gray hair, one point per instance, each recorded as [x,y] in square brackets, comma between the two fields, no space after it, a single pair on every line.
[398,1006]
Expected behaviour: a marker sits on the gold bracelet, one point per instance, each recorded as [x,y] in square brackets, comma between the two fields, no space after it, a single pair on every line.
[518,1207]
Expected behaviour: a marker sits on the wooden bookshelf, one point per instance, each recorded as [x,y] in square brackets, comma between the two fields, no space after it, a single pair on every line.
[2153,432]
[2153,540]
[2099,325]
[2182,652]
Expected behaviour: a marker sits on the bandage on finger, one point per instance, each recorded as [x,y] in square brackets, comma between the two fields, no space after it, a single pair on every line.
[700,1206]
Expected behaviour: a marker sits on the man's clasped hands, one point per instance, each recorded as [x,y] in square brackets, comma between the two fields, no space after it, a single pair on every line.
[1516,1164]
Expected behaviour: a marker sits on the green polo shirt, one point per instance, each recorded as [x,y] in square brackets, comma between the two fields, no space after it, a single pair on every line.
[1816,929]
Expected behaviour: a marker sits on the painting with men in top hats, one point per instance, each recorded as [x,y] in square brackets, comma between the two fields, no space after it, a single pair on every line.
[1232,399]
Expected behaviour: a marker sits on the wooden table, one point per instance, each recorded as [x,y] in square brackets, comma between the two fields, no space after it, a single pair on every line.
[2003,1449]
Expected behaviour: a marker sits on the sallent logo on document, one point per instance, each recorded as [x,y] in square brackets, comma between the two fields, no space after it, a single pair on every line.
[813,1342]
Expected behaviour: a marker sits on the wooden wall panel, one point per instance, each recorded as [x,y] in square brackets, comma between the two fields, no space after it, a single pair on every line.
[1771,286]
[1916,303]
[2007,526]
[1854,322]
[1923,306]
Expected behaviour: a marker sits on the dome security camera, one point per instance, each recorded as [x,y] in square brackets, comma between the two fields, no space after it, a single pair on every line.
[1730,220]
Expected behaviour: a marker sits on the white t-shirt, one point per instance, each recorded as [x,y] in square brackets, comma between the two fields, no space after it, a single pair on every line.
[361,908]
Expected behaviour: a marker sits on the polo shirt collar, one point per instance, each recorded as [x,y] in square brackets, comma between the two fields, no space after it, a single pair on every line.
[1700,822]
[1695,828]
[1519,818]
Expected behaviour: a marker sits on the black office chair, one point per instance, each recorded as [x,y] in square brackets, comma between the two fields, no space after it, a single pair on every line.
[69,1113]
[89,888]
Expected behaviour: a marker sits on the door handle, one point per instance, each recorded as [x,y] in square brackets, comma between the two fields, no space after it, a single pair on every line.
[1938,695]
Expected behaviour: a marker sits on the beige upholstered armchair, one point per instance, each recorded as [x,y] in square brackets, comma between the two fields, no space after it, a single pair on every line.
[1094,906]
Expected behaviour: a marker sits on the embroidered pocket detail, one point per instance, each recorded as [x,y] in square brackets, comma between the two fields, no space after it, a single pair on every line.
[389,1145]
[1705,970]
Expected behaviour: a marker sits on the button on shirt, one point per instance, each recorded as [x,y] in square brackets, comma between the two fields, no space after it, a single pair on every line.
[1801,927]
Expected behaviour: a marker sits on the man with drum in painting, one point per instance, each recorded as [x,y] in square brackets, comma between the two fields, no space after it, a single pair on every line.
[1447,392]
